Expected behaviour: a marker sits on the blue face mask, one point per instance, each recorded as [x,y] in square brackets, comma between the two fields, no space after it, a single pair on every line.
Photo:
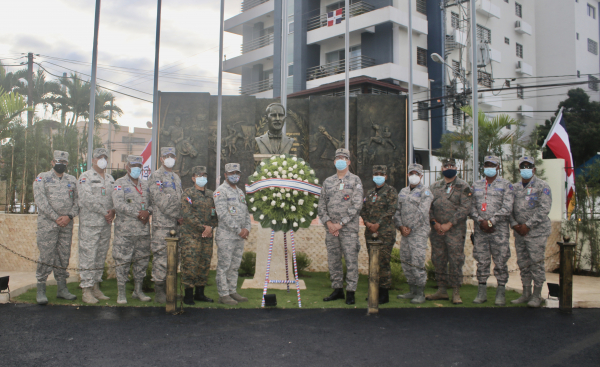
[379,180]
[135,172]
[490,171]
[201,181]
[233,178]
[527,173]
[341,164]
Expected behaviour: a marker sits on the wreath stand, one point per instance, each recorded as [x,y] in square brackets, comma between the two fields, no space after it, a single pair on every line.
[287,280]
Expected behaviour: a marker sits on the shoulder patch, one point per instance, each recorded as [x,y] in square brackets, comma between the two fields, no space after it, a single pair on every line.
[82,180]
[189,200]
[358,186]
[216,194]
[38,179]
[427,193]
[510,186]
[546,191]
[117,188]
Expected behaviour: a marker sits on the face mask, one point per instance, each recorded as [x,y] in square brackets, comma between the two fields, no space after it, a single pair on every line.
[102,163]
[490,171]
[341,164]
[135,172]
[449,173]
[414,179]
[201,181]
[60,168]
[169,162]
[379,180]
[527,173]
[233,178]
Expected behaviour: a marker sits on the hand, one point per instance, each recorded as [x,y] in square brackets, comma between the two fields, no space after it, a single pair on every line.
[405,231]
[243,233]
[208,231]
[110,215]
[63,221]
[144,216]
[180,221]
[374,227]
[483,225]
[438,228]
[524,229]
[446,227]
[333,228]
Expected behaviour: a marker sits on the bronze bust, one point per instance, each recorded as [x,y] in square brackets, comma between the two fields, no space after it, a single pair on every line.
[274,142]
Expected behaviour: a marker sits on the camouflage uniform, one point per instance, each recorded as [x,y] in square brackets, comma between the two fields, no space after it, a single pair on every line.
[233,215]
[165,192]
[95,201]
[379,207]
[198,210]
[54,197]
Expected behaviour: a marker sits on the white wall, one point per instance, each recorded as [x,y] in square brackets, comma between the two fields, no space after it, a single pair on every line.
[554,171]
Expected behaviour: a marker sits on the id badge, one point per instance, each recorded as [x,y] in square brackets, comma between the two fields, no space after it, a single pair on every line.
[483,207]
[212,212]
[71,194]
[143,206]
[103,191]
[375,198]
[529,191]
[448,189]
[341,186]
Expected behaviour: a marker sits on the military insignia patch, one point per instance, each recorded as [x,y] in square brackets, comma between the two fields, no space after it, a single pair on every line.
[158,183]
[216,194]
[189,200]
[117,188]
[364,200]
[531,203]
[510,186]
[346,197]
[127,190]
[232,210]
[546,191]
[427,193]
[82,180]
[38,179]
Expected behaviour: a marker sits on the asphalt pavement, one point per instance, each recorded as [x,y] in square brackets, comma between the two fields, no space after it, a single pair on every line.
[32,335]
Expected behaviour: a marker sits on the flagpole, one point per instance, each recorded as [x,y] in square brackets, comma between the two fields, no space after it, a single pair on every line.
[220,94]
[410,86]
[556,120]
[92,116]
[284,62]
[155,99]
[347,76]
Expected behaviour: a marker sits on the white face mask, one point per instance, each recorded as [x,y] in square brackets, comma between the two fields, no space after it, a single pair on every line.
[102,163]
[169,162]
[414,179]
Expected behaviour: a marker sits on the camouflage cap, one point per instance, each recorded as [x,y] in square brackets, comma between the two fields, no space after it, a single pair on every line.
[526,159]
[198,170]
[232,167]
[380,168]
[342,152]
[492,159]
[167,150]
[415,167]
[135,159]
[449,161]
[98,152]
[59,155]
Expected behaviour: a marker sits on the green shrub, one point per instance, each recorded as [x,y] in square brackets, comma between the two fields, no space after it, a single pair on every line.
[248,265]
[395,258]
[430,270]
[302,262]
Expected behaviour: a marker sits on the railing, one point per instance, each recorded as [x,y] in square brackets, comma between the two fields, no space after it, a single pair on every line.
[338,67]
[249,4]
[356,9]
[258,43]
[257,87]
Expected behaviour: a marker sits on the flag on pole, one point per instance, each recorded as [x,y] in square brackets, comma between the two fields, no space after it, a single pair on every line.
[334,17]
[147,159]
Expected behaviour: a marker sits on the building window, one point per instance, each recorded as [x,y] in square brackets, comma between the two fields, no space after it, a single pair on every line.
[484,34]
[421,56]
[423,111]
[484,79]
[456,68]
[518,10]
[506,1]
[520,92]
[519,50]
[124,158]
[455,20]
[591,11]
[593,83]
[593,46]
[291,69]
[291,28]
[577,35]
[578,74]
[422,6]
[507,40]
[457,115]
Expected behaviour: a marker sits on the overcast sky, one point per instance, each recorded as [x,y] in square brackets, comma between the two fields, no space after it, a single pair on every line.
[64,29]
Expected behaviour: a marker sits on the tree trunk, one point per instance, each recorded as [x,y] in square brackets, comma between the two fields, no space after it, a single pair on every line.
[10,188]
[24,175]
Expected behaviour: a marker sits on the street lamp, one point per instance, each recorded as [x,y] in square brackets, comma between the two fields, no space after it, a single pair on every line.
[437,58]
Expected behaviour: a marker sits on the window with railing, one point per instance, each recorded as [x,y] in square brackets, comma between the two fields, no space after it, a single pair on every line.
[249,4]
[455,20]
[593,83]
[356,8]
[422,6]
[423,111]
[518,10]
[484,79]
[520,92]
[593,46]
[484,34]
[457,117]
[421,56]
[338,67]
[519,50]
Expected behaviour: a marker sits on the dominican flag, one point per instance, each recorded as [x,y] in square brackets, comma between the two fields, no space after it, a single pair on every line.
[334,17]
[147,158]
[558,142]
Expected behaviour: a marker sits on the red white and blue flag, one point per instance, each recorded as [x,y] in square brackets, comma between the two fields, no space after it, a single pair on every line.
[189,200]
[334,17]
[147,161]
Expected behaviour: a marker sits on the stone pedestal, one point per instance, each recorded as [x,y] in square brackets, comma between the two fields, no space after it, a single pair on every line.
[277,270]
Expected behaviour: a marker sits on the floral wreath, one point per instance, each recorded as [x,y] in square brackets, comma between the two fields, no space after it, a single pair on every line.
[283,193]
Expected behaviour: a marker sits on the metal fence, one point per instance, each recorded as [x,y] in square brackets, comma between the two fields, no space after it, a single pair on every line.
[249,4]
[257,43]
[358,8]
[257,87]
[338,67]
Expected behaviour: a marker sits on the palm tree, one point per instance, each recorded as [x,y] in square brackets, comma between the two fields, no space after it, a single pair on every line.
[12,104]
[42,92]
[72,96]
[10,81]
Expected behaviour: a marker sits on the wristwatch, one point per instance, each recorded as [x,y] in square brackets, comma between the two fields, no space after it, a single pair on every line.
[70,216]
[490,223]
[432,222]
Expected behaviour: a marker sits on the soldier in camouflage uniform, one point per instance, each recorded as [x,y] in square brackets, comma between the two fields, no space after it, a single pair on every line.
[234,227]
[199,219]
[379,207]
[131,245]
[95,220]
[55,195]
[412,219]
[165,193]
[492,204]
[448,215]
[529,219]
[339,208]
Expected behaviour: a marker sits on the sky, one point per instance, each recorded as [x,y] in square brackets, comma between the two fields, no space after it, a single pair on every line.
[62,31]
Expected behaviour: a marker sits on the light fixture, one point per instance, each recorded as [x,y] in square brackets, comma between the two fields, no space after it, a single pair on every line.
[437,58]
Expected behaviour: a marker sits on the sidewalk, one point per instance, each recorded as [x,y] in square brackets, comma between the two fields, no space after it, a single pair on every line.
[21,282]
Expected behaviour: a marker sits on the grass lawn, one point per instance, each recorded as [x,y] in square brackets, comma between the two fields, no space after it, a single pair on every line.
[317,284]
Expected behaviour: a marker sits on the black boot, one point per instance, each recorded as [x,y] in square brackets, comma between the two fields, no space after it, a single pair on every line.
[384,296]
[349,297]
[188,299]
[199,296]
[337,293]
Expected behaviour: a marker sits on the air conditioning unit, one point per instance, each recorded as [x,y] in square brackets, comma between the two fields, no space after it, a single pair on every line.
[460,38]
[524,68]
[483,54]
[525,111]
[489,99]
[488,9]
[523,27]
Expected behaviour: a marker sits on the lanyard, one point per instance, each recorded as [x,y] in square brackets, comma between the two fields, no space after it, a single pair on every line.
[138,190]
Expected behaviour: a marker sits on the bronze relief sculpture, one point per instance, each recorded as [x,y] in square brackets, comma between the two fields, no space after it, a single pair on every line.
[274,141]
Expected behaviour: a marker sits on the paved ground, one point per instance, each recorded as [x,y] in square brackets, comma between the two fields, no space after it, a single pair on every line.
[34,335]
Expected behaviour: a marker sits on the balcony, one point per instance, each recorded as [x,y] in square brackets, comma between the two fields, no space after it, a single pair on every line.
[523,27]
[262,11]
[356,9]
[257,87]
[249,4]
[524,68]
[488,9]
[257,43]
[338,67]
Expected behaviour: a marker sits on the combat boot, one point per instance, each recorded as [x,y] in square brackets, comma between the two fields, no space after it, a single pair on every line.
[481,294]
[442,293]
[338,293]
[227,300]
[419,296]
[199,296]
[409,295]
[238,298]
[122,297]
[536,297]
[525,297]
[41,294]
[88,297]
[350,298]
[500,296]
[456,296]
[188,299]
[160,295]
[137,293]
[384,296]
[63,292]
[96,292]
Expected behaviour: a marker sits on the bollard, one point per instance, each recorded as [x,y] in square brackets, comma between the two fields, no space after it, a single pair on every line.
[565,302]
[374,274]
[172,271]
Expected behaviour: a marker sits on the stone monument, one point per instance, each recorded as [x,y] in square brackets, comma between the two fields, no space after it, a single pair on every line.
[274,141]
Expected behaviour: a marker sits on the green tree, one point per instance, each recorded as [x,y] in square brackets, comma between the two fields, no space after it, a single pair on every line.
[10,80]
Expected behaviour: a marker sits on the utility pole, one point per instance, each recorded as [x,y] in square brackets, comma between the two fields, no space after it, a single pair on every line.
[92,117]
[220,94]
[29,124]
[155,96]
[63,112]
[109,127]
[475,96]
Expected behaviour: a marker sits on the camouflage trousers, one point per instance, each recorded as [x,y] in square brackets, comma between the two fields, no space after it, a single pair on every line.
[131,250]
[530,258]
[413,250]
[229,253]
[54,244]
[93,247]
[385,254]
[196,253]
[347,244]
[490,246]
[448,256]
[159,253]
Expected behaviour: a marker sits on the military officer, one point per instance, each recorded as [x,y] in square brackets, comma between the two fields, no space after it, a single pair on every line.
[55,195]
[448,215]
[199,219]
[339,208]
[412,219]
[379,207]
[165,192]
[234,228]
[530,221]
[491,207]
[131,245]
[96,214]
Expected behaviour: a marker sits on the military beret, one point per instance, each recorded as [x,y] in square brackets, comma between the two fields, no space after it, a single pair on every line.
[59,155]
[198,170]
[492,159]
[450,161]
[232,167]
[167,150]
[135,159]
[415,167]
[380,168]
[342,152]
[526,159]
[98,152]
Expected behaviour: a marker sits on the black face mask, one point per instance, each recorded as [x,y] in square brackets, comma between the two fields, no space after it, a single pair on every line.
[60,168]
[449,173]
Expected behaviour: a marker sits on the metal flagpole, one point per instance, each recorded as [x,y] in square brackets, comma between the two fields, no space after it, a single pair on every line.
[411,158]
[155,99]
[475,96]
[284,62]
[220,94]
[347,77]
[92,116]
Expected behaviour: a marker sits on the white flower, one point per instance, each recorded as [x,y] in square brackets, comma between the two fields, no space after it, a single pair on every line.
[287,190]
[301,202]
[262,216]
[284,163]
[293,208]
[253,208]
[284,221]
[274,221]
[315,205]
[311,213]
[262,177]
[269,174]
[294,159]
[305,180]
[284,176]
[295,224]
[302,220]
[282,156]
[295,192]
[265,170]
[295,176]
[273,203]
[264,198]
[273,158]
[282,191]
[312,172]
[262,163]
[255,174]
[282,205]
[279,195]
[280,169]
[316,180]
[295,166]
[274,194]
[301,171]
[290,169]
[305,193]
[275,164]
[251,200]
[287,195]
